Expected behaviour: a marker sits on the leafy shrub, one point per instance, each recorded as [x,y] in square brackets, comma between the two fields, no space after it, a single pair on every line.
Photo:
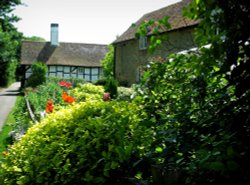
[101,81]
[74,81]
[39,96]
[111,87]
[82,144]
[38,76]
[88,92]
[125,93]
[191,109]
[22,120]
[108,63]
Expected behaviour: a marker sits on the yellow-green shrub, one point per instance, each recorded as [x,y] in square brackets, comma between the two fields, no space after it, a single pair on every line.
[80,144]
[88,92]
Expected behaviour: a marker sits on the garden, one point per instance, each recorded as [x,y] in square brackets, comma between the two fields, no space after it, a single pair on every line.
[186,122]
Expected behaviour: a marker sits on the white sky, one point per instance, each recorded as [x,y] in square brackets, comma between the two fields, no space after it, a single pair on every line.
[84,21]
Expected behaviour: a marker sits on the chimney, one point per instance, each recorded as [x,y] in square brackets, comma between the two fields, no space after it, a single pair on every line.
[54,34]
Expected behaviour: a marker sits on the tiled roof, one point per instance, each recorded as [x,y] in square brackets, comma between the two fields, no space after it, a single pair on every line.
[176,20]
[68,54]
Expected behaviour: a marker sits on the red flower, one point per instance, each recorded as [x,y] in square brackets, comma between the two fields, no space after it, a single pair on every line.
[70,99]
[67,98]
[65,84]
[49,106]
[64,96]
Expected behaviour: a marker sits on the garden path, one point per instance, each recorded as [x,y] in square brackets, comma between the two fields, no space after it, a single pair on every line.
[7,101]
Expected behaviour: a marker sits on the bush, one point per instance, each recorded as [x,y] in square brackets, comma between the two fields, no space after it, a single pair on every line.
[39,96]
[22,119]
[101,81]
[82,144]
[74,81]
[125,94]
[108,63]
[111,87]
[88,92]
[38,76]
[193,113]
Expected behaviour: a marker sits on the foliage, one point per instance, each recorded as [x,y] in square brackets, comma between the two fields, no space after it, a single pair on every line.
[10,40]
[229,37]
[153,29]
[22,120]
[38,97]
[111,87]
[38,76]
[8,58]
[87,143]
[5,139]
[34,38]
[74,81]
[198,104]
[88,92]
[108,63]
[182,99]
[125,93]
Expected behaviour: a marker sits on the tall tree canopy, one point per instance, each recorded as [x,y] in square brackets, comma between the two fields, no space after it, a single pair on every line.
[9,42]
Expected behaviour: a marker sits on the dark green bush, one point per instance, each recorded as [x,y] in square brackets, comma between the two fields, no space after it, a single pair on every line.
[82,144]
[194,114]
[101,81]
[38,76]
[111,87]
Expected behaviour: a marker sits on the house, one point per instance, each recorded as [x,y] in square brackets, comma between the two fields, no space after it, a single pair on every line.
[65,60]
[131,53]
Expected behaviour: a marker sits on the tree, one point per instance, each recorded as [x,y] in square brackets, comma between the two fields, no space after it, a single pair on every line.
[108,63]
[199,104]
[38,76]
[10,40]
[34,38]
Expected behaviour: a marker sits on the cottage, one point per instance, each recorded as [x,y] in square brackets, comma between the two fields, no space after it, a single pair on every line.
[131,54]
[64,59]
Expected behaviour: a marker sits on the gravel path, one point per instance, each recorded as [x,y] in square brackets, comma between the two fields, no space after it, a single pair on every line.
[7,101]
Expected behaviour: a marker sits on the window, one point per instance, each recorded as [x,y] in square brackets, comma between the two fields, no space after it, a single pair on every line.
[89,73]
[143,43]
[52,68]
[81,70]
[66,69]
[60,68]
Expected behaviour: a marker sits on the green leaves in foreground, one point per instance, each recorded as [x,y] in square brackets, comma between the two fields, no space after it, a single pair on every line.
[81,144]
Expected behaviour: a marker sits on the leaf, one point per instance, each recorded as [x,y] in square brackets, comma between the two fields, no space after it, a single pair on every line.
[232,165]
[197,1]
[159,149]
[16,169]
[217,166]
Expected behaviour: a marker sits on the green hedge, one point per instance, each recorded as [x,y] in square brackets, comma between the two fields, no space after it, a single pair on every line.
[38,76]
[81,144]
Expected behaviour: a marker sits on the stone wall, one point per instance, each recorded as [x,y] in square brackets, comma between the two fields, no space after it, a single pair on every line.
[129,59]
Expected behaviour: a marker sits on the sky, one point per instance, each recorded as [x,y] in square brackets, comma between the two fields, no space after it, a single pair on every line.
[83,21]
